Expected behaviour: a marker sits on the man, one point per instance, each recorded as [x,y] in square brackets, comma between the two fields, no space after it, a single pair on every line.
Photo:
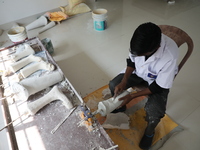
[152,60]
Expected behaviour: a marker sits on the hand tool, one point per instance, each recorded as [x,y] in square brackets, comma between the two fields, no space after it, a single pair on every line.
[87,117]
[86,112]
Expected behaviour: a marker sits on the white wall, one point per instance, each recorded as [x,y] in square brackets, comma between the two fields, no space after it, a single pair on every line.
[11,10]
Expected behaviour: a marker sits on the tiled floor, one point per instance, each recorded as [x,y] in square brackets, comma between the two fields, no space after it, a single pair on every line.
[90,59]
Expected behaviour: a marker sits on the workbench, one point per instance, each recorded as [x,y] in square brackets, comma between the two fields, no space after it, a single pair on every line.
[34,132]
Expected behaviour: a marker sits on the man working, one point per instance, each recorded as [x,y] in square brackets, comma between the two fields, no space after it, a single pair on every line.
[152,60]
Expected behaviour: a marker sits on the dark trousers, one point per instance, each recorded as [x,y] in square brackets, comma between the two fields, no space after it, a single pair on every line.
[156,105]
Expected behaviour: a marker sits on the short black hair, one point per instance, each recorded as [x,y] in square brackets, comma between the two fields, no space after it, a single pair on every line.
[146,38]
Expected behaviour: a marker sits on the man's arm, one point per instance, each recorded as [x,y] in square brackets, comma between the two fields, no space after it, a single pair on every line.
[126,99]
[127,74]
[153,88]
[120,87]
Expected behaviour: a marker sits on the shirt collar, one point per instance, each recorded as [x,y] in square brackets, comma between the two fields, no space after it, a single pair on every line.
[159,52]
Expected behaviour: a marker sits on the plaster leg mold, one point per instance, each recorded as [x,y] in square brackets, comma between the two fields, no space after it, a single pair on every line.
[107,106]
[29,86]
[21,54]
[37,23]
[54,94]
[23,62]
[25,72]
[48,26]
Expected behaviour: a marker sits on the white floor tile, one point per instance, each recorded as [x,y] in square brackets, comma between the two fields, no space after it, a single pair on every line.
[189,138]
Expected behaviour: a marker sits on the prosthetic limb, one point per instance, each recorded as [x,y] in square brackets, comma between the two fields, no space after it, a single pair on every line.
[30,86]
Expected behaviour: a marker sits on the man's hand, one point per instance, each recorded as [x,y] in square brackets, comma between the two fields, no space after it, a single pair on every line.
[126,99]
[119,89]
[121,86]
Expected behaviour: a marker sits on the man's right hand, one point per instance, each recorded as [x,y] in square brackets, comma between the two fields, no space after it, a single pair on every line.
[119,89]
[121,86]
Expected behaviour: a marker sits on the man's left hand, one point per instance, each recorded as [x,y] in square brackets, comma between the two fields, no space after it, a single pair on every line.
[126,99]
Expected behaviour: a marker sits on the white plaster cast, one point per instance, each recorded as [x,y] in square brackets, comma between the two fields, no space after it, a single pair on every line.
[54,94]
[37,23]
[19,91]
[29,86]
[107,106]
[21,54]
[25,72]
[48,26]
[23,62]
[116,121]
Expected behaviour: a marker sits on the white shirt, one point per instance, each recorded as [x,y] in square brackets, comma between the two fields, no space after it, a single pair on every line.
[161,66]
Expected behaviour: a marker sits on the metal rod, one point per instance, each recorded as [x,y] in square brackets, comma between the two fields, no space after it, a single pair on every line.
[7,97]
[100,148]
[3,60]
[62,121]
[112,147]
[12,122]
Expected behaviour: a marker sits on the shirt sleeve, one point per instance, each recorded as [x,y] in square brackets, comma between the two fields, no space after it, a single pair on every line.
[166,76]
[130,63]
[155,88]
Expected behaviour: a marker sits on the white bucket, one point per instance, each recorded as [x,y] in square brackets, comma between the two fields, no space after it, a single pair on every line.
[99,19]
[17,34]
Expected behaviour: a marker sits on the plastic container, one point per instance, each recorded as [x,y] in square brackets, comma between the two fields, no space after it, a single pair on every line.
[48,45]
[99,19]
[17,34]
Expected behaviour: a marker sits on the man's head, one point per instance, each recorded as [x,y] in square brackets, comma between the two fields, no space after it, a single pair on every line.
[146,39]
